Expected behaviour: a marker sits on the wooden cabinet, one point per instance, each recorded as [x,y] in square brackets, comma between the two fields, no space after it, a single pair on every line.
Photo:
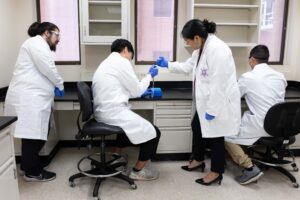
[102,22]
[173,118]
[8,177]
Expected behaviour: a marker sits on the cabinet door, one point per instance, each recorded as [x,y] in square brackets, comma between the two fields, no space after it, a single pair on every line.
[8,181]
[104,21]
[1,109]
[6,150]
[175,141]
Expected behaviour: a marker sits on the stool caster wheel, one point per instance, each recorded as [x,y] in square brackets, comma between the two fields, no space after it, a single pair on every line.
[295,168]
[295,185]
[133,186]
[72,184]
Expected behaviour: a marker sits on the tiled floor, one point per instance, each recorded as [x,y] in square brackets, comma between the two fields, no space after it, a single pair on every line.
[173,183]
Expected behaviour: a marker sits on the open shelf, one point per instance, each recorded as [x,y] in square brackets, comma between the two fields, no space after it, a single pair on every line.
[222,6]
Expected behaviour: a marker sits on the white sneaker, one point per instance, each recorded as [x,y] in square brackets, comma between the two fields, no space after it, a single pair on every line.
[144,175]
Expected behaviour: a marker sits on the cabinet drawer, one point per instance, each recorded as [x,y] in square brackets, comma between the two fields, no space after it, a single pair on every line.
[174,141]
[6,150]
[175,111]
[76,106]
[173,122]
[141,105]
[63,106]
[174,103]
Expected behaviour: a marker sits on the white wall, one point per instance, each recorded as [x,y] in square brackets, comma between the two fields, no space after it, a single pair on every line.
[8,35]
[23,13]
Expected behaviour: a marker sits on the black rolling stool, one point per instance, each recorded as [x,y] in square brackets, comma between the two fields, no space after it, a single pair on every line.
[282,122]
[100,167]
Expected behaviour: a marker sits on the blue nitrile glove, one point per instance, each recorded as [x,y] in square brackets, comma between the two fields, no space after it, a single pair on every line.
[58,92]
[153,71]
[147,92]
[162,62]
[209,117]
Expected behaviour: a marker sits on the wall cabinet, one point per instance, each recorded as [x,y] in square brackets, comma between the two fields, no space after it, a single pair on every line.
[237,20]
[102,22]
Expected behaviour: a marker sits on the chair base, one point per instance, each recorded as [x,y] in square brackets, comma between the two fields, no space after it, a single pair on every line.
[278,167]
[100,180]
[101,170]
[276,159]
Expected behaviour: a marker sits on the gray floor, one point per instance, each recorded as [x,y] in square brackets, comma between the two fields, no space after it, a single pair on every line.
[173,183]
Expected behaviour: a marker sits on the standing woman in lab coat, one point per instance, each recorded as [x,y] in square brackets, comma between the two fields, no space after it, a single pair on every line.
[216,99]
[30,95]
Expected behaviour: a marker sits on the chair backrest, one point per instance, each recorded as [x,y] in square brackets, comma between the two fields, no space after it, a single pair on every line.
[283,120]
[85,97]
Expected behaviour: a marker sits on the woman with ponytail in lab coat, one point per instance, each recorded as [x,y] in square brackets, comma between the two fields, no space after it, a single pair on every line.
[216,98]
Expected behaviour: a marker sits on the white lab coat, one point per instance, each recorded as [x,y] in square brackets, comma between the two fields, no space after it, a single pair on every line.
[31,90]
[262,88]
[215,88]
[114,82]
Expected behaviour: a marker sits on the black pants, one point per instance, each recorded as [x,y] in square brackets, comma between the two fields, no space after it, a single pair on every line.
[30,160]
[216,145]
[147,149]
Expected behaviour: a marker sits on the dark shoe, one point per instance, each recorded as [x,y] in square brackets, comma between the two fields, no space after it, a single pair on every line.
[249,176]
[187,168]
[44,165]
[216,180]
[42,177]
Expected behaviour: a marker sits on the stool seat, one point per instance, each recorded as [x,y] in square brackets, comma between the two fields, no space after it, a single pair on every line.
[92,128]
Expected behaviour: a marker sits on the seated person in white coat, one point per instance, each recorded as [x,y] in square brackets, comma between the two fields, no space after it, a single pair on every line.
[114,82]
[30,96]
[262,87]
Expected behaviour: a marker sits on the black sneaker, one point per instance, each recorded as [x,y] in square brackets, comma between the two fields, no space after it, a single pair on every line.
[45,165]
[42,177]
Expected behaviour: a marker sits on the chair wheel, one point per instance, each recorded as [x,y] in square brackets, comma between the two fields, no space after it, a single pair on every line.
[295,185]
[133,186]
[296,169]
[72,184]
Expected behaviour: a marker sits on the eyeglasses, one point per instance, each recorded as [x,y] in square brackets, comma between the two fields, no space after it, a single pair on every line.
[56,33]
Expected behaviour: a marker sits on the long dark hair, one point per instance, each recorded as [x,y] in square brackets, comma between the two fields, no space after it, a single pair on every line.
[37,28]
[197,27]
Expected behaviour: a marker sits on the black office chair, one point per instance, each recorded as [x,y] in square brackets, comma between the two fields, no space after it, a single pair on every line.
[282,121]
[99,167]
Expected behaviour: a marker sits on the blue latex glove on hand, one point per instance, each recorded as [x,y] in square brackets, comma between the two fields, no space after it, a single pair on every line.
[209,117]
[153,71]
[147,92]
[162,62]
[58,92]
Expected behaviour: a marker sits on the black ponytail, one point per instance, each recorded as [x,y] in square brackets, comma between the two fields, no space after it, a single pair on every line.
[210,26]
[197,27]
[37,28]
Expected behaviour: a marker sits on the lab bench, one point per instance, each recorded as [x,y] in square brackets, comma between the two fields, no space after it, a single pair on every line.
[8,176]
[171,113]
